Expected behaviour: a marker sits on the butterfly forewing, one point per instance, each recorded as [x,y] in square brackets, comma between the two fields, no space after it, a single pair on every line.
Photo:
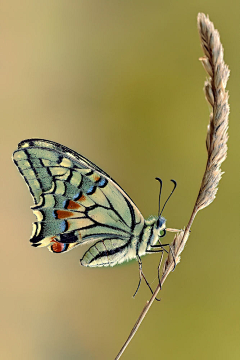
[75,202]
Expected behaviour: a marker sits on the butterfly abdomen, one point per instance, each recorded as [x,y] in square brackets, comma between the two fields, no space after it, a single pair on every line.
[108,252]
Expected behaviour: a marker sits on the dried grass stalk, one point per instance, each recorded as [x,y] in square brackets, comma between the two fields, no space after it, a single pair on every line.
[216,143]
[217,97]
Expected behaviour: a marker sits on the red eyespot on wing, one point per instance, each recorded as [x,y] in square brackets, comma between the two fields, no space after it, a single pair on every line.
[57,247]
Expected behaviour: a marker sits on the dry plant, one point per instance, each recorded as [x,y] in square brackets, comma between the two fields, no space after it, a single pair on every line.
[216,143]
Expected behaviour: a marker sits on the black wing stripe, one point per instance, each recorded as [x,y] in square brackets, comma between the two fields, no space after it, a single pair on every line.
[104,235]
[133,221]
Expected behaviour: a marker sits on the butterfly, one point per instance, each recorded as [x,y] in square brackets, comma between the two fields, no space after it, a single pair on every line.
[75,202]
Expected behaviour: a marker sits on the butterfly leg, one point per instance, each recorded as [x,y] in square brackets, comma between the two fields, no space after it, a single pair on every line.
[162,247]
[171,250]
[141,274]
[157,250]
[159,266]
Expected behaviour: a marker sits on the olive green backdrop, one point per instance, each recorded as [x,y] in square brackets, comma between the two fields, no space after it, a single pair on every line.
[119,82]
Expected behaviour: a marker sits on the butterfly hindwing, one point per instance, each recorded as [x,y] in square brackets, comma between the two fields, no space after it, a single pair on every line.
[75,201]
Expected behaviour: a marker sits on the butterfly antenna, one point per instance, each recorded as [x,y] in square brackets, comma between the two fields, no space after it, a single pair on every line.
[174,187]
[160,192]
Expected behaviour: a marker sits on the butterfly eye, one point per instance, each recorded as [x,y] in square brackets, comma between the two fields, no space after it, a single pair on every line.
[162,233]
[160,222]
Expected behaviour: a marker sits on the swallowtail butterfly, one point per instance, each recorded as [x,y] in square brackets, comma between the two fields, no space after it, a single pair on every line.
[76,202]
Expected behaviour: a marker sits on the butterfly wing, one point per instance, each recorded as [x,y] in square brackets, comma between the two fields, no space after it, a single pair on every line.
[75,201]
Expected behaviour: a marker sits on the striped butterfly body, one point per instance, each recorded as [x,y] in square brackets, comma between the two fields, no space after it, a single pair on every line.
[77,202]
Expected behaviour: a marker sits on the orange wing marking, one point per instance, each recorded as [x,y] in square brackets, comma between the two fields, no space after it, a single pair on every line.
[63,214]
[72,205]
[82,198]
[96,177]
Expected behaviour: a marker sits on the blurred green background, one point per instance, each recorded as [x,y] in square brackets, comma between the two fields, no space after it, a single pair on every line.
[119,82]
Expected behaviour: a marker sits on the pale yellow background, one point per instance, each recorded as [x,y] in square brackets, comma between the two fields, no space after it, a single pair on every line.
[119,82]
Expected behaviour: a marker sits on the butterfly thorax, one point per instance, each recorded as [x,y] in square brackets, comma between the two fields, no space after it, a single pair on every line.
[152,230]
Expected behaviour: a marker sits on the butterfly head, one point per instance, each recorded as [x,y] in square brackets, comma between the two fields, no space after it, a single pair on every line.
[161,226]
[158,225]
